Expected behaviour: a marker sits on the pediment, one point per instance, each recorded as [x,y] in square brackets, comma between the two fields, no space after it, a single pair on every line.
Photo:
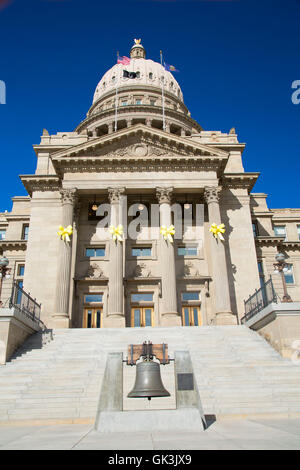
[138,143]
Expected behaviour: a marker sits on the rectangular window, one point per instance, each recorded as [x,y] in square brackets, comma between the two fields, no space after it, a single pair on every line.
[141,251]
[94,252]
[298,230]
[185,296]
[21,270]
[143,297]
[261,273]
[25,231]
[138,101]
[124,103]
[89,298]
[289,274]
[280,231]
[187,251]
[2,234]
[152,102]
[255,229]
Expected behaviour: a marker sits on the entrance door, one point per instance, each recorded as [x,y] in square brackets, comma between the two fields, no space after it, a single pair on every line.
[141,316]
[191,316]
[92,318]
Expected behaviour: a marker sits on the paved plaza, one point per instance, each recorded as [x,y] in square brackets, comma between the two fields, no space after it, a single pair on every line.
[248,434]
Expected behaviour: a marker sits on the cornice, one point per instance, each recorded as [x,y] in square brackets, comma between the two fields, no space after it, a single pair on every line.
[18,217]
[135,110]
[40,183]
[239,180]
[269,240]
[10,244]
[291,244]
[143,133]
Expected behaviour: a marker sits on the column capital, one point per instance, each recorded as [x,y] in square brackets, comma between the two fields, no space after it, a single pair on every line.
[212,194]
[68,196]
[114,194]
[164,195]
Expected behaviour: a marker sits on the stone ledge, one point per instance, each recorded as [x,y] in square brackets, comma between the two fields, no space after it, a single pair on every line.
[15,328]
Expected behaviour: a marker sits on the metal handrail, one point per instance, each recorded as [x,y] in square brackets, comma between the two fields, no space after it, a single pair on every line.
[259,300]
[25,304]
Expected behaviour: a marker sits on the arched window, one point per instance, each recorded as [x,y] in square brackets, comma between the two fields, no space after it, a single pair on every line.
[151,76]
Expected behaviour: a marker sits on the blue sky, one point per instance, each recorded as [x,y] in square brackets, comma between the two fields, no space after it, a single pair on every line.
[237,61]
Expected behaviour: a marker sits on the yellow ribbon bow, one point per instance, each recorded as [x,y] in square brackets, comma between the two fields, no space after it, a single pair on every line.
[65,233]
[167,232]
[116,232]
[217,231]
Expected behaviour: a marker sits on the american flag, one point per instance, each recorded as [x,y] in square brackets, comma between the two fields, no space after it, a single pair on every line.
[123,60]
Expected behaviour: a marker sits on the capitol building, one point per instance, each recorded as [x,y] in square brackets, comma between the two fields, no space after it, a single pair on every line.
[140,160]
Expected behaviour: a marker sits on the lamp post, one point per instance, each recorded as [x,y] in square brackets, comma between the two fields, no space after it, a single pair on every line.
[4,274]
[280,268]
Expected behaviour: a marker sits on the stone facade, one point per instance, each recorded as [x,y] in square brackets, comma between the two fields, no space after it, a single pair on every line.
[148,152]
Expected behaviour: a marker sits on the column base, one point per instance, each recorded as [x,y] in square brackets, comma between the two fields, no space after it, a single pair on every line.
[60,320]
[170,319]
[225,318]
[114,320]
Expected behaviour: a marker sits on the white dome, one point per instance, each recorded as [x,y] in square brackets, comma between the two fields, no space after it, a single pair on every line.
[150,74]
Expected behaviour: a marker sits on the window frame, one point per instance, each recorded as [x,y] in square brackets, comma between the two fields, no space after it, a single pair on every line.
[277,235]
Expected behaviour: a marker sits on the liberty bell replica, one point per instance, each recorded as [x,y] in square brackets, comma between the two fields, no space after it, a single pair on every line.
[148,381]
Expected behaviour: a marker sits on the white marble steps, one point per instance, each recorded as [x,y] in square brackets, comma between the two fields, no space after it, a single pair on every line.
[237,372]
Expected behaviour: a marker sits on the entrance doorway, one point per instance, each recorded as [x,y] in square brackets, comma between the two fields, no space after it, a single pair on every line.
[92,317]
[191,316]
[141,316]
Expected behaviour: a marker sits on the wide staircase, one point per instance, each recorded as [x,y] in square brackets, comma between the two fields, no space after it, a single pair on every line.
[237,372]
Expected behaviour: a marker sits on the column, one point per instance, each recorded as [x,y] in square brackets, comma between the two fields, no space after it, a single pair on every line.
[169,313]
[222,304]
[115,315]
[61,315]
[72,305]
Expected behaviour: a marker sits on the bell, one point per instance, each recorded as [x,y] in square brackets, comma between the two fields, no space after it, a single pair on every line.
[148,381]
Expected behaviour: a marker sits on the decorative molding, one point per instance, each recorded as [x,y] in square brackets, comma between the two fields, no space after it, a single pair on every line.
[212,194]
[94,272]
[69,196]
[164,195]
[40,183]
[11,244]
[141,270]
[114,194]
[190,270]
[239,180]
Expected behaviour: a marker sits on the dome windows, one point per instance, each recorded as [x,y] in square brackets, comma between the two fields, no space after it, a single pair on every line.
[150,76]
[113,79]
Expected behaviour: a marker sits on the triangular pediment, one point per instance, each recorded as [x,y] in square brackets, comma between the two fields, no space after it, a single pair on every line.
[139,142]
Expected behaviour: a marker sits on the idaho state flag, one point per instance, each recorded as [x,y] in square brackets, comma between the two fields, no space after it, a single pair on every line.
[170,68]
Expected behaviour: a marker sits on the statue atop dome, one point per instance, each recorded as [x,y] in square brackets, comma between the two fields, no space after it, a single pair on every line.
[137,51]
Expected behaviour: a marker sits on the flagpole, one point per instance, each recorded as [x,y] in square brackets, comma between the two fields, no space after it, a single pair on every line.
[163,95]
[116,99]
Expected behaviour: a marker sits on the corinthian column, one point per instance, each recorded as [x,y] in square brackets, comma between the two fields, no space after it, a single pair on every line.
[169,314]
[61,316]
[222,304]
[115,316]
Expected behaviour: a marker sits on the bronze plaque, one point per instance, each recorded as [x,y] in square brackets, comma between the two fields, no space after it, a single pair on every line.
[185,381]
